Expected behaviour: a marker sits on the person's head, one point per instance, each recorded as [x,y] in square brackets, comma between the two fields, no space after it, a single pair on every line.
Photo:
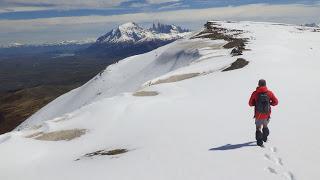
[262,82]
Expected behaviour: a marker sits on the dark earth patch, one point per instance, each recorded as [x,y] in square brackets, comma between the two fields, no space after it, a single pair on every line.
[29,82]
[16,106]
[238,64]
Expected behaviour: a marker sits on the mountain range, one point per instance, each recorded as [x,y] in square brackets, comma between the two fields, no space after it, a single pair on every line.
[131,39]
[53,48]
[125,40]
[164,28]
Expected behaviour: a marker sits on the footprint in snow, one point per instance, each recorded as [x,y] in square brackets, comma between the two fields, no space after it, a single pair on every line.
[274,160]
[277,161]
[271,170]
[289,175]
[274,149]
[268,157]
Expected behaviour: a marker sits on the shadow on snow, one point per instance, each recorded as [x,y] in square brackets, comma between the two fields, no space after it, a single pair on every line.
[233,146]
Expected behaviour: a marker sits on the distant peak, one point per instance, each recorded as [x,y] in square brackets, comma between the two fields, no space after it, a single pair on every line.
[165,28]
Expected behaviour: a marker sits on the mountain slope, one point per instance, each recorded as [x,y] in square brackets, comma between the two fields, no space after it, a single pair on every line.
[197,128]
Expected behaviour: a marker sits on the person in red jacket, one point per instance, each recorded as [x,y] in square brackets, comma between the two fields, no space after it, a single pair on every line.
[262,99]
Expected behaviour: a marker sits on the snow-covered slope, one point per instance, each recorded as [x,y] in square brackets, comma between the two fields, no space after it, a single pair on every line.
[197,128]
[130,74]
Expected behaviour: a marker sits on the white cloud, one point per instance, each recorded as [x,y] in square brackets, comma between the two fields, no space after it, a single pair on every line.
[22,8]
[138,5]
[63,3]
[173,6]
[161,1]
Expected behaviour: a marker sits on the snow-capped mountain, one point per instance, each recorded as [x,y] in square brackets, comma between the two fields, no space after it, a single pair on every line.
[129,32]
[130,39]
[133,33]
[180,112]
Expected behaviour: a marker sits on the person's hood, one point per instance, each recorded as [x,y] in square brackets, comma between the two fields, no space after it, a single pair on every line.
[262,89]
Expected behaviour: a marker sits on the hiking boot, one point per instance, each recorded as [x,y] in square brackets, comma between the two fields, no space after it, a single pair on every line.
[259,138]
[265,134]
[260,143]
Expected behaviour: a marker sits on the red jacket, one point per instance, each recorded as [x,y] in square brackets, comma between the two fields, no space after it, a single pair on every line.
[253,98]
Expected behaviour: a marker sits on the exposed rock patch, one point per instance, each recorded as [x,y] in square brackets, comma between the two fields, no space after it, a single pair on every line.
[236,43]
[105,153]
[309,29]
[145,93]
[239,63]
[236,52]
[176,78]
[214,31]
[58,135]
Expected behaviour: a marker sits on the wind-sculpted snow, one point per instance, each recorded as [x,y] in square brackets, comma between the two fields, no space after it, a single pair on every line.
[173,113]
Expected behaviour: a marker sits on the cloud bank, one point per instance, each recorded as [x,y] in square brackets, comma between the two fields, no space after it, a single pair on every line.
[191,18]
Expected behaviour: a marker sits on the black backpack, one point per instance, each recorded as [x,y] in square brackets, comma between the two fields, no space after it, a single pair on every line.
[263,103]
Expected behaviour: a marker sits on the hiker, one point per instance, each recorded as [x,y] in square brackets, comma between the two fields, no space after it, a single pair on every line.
[261,99]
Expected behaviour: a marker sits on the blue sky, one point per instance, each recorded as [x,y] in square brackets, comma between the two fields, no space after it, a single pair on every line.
[37,21]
